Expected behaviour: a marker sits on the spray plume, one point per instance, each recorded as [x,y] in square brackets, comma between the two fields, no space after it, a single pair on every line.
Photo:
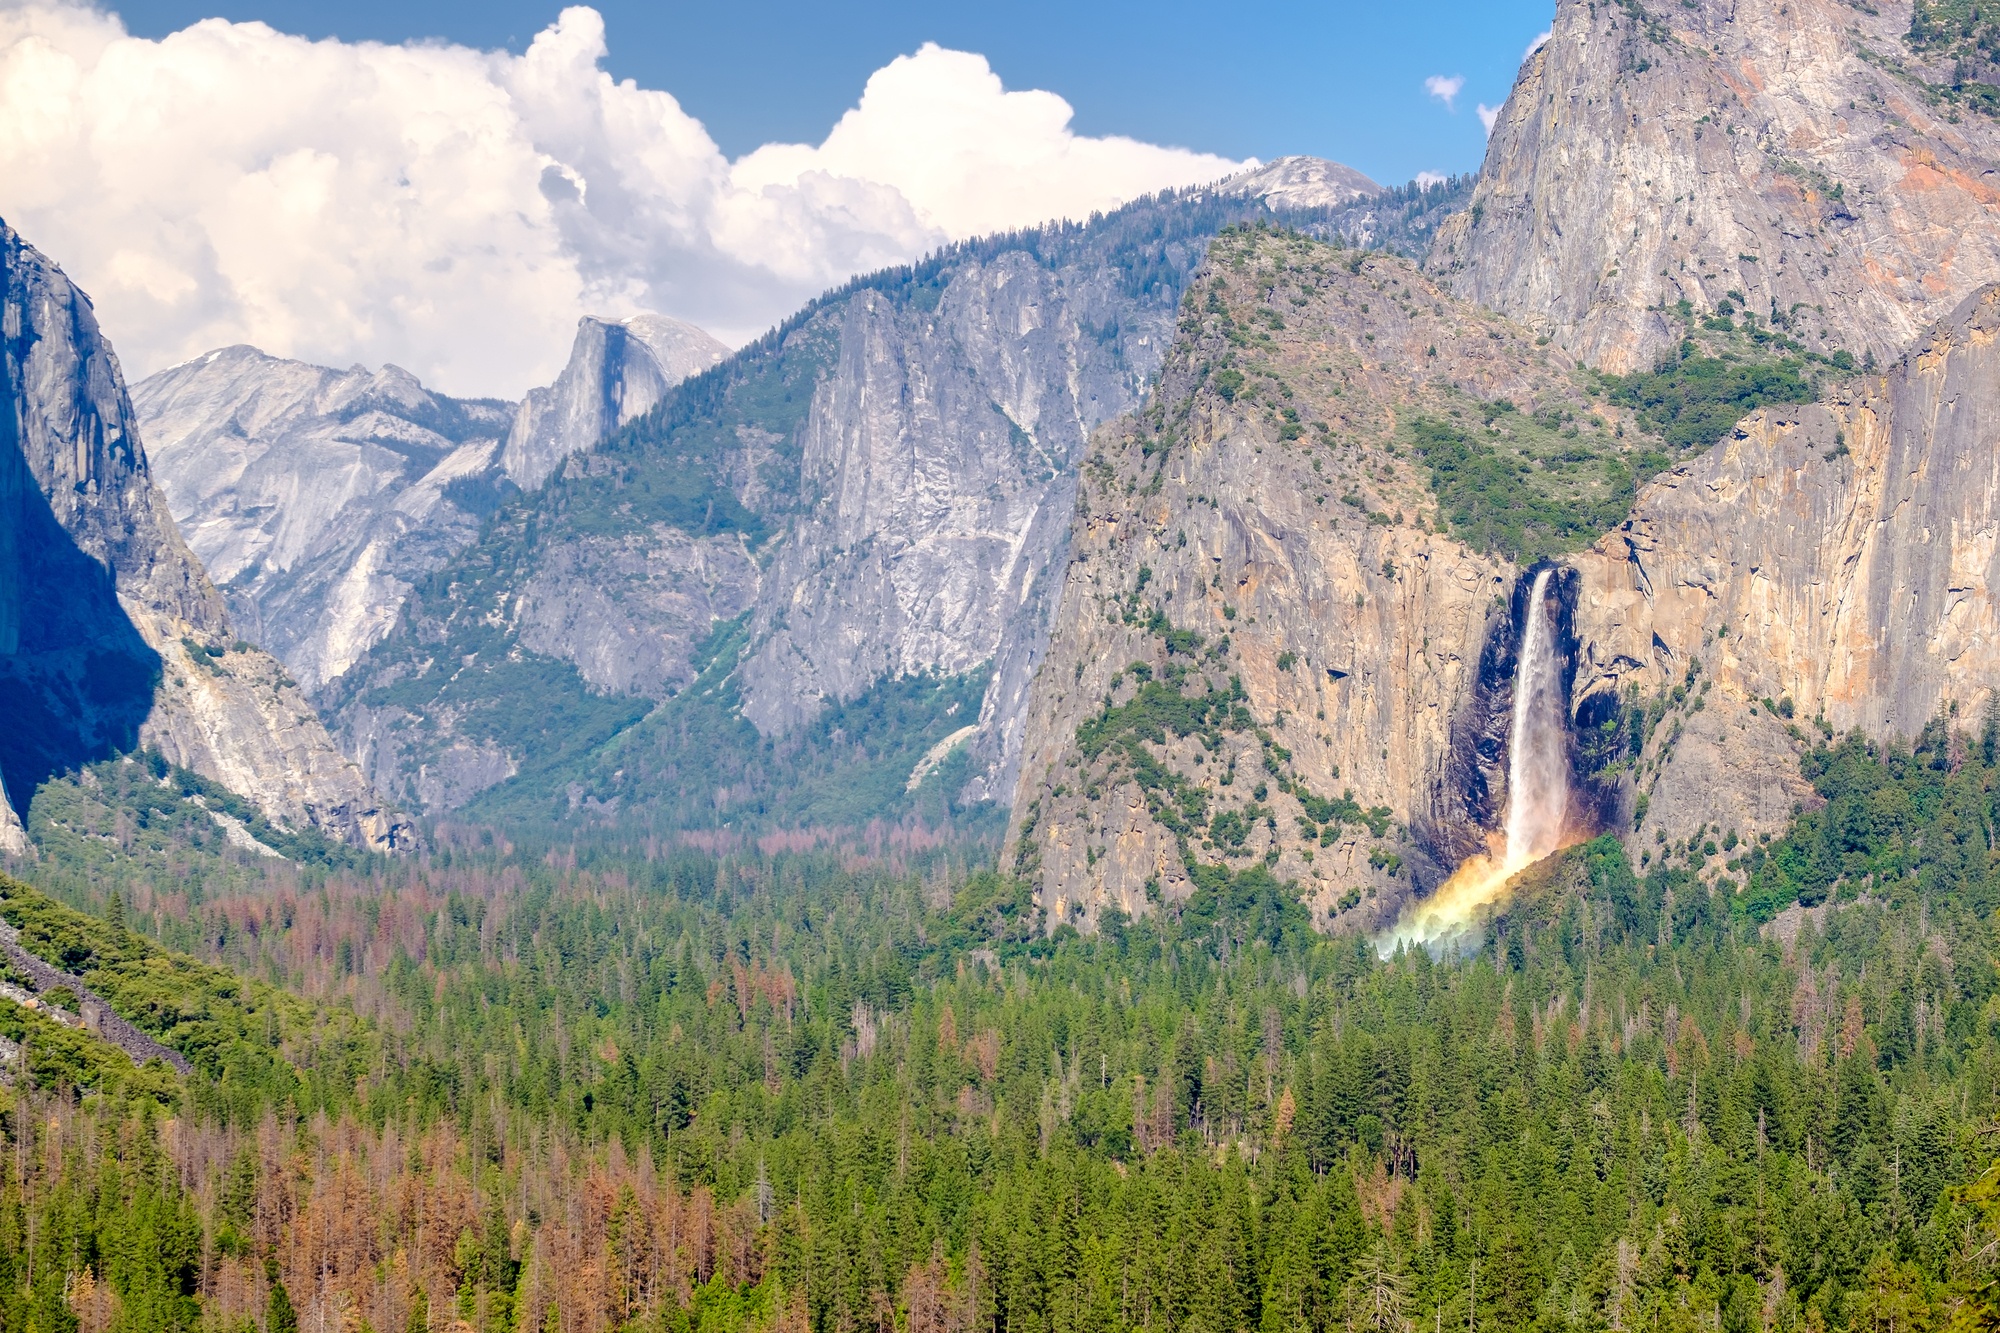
[1537,794]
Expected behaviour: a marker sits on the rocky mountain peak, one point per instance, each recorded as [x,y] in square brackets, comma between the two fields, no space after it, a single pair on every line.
[618,369]
[1302,182]
[1806,161]
[680,348]
[318,497]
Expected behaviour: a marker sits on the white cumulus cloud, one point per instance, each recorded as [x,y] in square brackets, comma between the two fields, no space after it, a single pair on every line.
[1488,116]
[1445,88]
[1541,40]
[1425,179]
[454,210]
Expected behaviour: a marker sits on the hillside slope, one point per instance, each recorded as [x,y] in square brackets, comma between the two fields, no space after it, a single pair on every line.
[1271,630]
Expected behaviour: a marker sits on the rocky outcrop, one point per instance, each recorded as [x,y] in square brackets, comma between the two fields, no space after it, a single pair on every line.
[1257,540]
[1839,559]
[13,834]
[317,497]
[111,636]
[616,371]
[1792,156]
[95,1014]
[627,610]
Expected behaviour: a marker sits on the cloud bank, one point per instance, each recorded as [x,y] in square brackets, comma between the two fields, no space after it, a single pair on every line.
[454,210]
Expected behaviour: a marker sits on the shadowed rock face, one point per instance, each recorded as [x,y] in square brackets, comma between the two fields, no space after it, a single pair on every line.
[1654,151]
[100,600]
[1842,555]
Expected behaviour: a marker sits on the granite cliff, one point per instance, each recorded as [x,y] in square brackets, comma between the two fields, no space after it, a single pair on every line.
[315,497]
[1806,159]
[111,635]
[616,371]
[1270,634]
[1833,563]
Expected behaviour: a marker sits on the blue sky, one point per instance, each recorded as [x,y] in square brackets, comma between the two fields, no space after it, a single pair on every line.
[1257,79]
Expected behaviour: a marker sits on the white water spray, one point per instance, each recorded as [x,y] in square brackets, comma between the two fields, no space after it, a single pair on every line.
[1537,792]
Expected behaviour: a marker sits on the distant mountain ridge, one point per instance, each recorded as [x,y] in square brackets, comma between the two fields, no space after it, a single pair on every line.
[317,497]
[1292,183]
[871,498]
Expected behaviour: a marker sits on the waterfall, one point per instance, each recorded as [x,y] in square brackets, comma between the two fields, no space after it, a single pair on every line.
[1537,791]
[1537,749]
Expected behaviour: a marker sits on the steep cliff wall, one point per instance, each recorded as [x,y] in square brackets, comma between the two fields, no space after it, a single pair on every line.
[111,636]
[1838,560]
[940,461]
[1266,641]
[1796,154]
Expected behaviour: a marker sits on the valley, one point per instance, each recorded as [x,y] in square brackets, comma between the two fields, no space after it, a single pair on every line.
[1289,755]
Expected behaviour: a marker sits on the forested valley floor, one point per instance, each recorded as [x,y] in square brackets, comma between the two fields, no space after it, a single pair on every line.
[590,1089]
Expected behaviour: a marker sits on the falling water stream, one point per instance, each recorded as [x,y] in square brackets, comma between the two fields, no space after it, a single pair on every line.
[1537,792]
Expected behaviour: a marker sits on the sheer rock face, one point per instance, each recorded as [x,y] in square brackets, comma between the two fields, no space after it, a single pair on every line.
[316,497]
[627,609]
[111,635]
[616,371]
[1354,629]
[1653,152]
[938,473]
[1843,556]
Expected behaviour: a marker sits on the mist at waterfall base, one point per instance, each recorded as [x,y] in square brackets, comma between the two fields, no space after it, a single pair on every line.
[1537,821]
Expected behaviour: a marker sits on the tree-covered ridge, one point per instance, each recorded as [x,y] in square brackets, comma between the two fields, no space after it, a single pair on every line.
[849,767]
[1902,821]
[253,1044]
[140,812]
[1960,41]
[752,1094]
